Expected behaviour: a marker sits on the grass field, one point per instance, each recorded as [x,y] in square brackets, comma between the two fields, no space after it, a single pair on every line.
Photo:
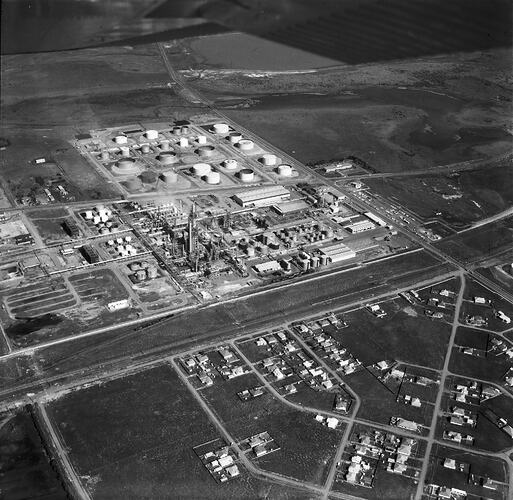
[134,437]
[25,468]
[307,447]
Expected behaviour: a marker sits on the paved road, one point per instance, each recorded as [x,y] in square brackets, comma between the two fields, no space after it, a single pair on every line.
[438,402]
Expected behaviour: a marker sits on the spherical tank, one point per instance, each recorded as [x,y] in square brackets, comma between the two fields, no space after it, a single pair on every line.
[206,151]
[245,144]
[167,157]
[151,135]
[284,170]
[148,177]
[247,175]
[121,139]
[169,177]
[201,169]
[235,137]
[268,159]
[213,178]
[221,128]
[230,164]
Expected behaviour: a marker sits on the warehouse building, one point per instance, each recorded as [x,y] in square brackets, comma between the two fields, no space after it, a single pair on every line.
[262,197]
[268,267]
[338,252]
[360,227]
[374,218]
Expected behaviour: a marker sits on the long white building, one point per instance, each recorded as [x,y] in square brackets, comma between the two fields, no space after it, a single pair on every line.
[262,197]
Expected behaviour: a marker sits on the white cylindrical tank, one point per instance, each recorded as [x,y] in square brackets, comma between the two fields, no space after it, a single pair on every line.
[167,157]
[202,139]
[124,150]
[121,139]
[184,142]
[169,177]
[145,148]
[213,178]
[221,128]
[206,150]
[235,137]
[230,164]
[268,160]
[96,219]
[201,169]
[88,214]
[110,243]
[164,146]
[247,175]
[126,164]
[151,135]
[284,170]
[245,145]
[105,155]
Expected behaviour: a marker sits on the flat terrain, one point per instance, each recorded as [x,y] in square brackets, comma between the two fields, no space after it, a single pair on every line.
[25,468]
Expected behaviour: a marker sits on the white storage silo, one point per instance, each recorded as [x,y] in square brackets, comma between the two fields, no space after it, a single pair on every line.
[206,151]
[202,139]
[245,145]
[151,135]
[213,178]
[184,142]
[230,164]
[201,169]
[145,148]
[284,170]
[269,159]
[221,128]
[121,139]
[235,137]
[247,175]
[164,146]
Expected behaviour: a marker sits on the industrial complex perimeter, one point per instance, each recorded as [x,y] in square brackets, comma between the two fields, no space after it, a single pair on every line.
[221,320]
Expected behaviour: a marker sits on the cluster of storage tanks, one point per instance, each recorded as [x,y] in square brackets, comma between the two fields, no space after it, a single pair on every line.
[143,271]
[123,246]
[204,171]
[100,216]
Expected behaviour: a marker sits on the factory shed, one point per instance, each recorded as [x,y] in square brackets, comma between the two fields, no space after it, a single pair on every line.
[338,252]
[267,267]
[290,207]
[262,197]
[374,218]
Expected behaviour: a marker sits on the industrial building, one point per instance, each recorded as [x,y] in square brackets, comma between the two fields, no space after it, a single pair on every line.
[360,227]
[374,218]
[262,197]
[267,267]
[338,252]
[91,254]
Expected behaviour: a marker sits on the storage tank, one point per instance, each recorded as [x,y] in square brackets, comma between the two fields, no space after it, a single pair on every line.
[247,175]
[314,261]
[284,170]
[184,142]
[96,219]
[148,177]
[230,164]
[124,150]
[202,139]
[305,264]
[145,148]
[245,145]
[151,135]
[104,230]
[184,130]
[201,169]
[164,146]
[221,128]
[133,184]
[121,139]
[88,214]
[269,160]
[324,260]
[169,177]
[213,178]
[152,272]
[177,130]
[167,157]
[234,137]
[126,164]
[105,155]
[205,151]
[250,251]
